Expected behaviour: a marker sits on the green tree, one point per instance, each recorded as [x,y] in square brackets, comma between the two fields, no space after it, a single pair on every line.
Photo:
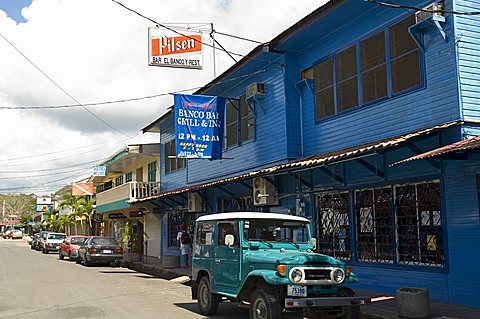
[65,222]
[17,204]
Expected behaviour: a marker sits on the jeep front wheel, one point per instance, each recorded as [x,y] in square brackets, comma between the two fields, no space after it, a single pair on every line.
[207,301]
[264,305]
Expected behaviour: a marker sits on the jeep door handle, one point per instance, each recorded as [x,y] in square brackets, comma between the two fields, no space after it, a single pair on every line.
[217,261]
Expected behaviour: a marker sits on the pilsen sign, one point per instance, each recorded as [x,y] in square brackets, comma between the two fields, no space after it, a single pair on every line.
[174,50]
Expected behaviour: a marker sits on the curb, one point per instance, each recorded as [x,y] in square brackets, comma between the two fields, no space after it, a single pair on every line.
[151,270]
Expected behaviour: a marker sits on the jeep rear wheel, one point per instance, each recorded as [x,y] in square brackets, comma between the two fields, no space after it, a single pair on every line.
[264,306]
[207,301]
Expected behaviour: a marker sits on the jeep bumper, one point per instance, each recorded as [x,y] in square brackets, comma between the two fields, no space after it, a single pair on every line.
[323,302]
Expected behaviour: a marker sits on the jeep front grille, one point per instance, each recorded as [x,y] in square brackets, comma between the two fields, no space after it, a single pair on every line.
[317,274]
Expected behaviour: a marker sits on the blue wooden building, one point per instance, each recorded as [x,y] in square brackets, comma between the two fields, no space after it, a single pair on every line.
[351,118]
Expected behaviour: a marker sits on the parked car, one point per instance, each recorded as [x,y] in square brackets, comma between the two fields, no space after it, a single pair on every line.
[7,234]
[268,260]
[52,242]
[17,234]
[69,247]
[97,249]
[41,238]
[35,238]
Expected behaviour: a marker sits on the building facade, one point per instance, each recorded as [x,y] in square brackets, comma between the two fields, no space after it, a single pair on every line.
[324,121]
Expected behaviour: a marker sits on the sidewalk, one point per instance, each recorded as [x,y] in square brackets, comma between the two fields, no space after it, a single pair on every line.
[385,309]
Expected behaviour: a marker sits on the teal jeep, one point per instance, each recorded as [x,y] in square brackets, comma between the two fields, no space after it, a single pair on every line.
[267,260]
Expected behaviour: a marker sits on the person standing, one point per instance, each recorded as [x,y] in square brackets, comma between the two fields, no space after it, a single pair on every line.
[185,243]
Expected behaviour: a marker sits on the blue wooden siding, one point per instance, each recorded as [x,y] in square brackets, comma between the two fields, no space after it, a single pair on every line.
[463,225]
[270,143]
[174,179]
[436,102]
[467,31]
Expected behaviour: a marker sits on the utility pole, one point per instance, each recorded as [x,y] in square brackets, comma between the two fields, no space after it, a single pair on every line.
[3,210]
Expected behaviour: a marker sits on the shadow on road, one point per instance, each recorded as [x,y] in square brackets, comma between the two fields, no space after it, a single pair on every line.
[225,310]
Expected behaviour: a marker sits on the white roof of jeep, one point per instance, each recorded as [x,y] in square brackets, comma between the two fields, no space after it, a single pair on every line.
[250,215]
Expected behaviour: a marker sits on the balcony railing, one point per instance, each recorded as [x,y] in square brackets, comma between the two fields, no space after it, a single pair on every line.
[128,191]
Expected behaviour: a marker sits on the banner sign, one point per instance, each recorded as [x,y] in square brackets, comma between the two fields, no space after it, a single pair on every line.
[199,126]
[99,171]
[174,50]
[47,208]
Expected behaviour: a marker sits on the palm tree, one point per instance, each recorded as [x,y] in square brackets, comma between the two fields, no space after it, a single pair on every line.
[72,202]
[65,222]
[87,209]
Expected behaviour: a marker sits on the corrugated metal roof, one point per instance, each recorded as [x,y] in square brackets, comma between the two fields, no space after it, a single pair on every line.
[311,161]
[468,144]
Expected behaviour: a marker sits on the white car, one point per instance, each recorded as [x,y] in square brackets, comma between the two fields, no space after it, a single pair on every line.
[17,234]
[52,242]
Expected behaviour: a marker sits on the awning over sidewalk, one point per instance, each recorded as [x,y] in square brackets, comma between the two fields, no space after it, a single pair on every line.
[455,150]
[307,162]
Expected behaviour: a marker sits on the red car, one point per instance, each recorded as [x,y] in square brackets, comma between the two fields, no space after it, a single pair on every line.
[69,247]
[8,234]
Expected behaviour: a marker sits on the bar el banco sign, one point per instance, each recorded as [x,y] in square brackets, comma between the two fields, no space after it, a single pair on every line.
[174,50]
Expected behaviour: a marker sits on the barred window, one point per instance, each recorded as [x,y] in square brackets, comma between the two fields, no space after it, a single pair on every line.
[333,224]
[128,177]
[373,211]
[419,224]
[175,219]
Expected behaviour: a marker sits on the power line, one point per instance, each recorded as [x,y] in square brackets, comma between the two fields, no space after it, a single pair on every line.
[65,150]
[130,99]
[158,24]
[43,175]
[399,6]
[58,86]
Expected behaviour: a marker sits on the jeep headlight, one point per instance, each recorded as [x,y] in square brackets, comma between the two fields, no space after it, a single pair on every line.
[296,275]
[338,275]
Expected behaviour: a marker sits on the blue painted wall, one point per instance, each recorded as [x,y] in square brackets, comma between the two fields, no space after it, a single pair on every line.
[468,54]
[436,102]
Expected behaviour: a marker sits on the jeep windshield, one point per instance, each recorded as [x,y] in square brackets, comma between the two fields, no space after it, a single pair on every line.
[269,230]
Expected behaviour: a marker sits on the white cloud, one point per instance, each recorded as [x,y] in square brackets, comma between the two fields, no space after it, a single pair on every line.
[97,51]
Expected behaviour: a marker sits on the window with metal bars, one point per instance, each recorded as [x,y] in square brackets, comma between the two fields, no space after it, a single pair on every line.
[175,219]
[397,224]
[400,224]
[333,224]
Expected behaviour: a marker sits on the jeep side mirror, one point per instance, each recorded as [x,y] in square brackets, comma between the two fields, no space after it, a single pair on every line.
[229,240]
[314,243]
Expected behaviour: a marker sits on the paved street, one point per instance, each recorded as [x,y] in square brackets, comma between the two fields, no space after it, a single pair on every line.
[34,285]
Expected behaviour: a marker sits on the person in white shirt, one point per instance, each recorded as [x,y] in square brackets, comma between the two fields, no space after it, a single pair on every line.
[185,243]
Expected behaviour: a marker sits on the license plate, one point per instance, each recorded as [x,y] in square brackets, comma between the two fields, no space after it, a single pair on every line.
[107,251]
[296,291]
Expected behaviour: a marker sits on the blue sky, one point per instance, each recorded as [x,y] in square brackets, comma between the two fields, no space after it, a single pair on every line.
[13,8]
